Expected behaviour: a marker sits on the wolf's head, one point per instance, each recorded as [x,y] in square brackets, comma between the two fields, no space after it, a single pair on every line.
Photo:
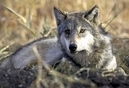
[76,30]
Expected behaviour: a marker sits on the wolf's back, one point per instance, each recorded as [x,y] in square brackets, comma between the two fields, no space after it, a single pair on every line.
[48,49]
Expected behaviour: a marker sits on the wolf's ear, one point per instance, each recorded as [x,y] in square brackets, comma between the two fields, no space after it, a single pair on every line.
[59,15]
[93,15]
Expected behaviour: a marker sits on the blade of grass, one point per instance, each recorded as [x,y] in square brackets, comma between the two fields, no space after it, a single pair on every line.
[26,27]
[12,11]
[6,47]
[110,20]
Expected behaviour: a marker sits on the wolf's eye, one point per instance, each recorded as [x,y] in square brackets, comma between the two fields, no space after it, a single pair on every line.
[82,30]
[67,32]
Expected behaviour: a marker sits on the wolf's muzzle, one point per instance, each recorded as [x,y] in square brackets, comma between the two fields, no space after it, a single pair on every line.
[72,47]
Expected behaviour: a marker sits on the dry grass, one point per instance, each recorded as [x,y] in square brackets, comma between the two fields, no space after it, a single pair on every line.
[26,20]
[39,13]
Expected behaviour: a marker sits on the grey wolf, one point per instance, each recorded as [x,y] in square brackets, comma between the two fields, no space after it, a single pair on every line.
[80,38]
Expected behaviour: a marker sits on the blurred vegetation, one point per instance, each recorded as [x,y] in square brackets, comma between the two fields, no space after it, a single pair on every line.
[39,21]
[22,21]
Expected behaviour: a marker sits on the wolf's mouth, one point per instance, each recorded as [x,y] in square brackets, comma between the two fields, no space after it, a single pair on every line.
[73,52]
[77,52]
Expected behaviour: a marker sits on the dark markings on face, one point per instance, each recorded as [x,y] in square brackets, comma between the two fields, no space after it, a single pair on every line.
[75,25]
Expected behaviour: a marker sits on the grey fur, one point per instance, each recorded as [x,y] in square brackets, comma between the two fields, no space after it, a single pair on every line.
[25,55]
[80,37]
[94,47]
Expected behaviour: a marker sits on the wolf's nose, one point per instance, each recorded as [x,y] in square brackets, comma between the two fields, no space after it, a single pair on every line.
[72,47]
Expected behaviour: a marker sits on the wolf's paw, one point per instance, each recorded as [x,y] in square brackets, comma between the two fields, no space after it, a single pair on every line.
[118,72]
